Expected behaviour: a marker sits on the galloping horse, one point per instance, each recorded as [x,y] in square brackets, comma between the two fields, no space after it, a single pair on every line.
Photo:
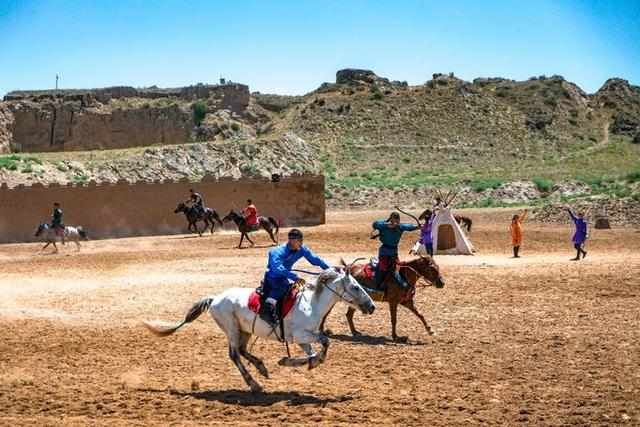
[230,311]
[412,271]
[465,221]
[268,224]
[49,235]
[210,216]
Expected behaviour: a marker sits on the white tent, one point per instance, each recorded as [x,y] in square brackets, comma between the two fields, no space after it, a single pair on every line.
[448,237]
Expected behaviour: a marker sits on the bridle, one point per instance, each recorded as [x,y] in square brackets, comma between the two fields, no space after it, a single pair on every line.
[345,290]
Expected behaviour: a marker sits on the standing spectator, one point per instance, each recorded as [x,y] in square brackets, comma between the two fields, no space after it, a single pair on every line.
[516,232]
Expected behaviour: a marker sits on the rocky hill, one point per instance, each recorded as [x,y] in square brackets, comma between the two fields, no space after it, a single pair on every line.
[370,135]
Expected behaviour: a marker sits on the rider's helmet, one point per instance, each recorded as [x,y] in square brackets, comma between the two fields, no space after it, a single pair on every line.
[249,201]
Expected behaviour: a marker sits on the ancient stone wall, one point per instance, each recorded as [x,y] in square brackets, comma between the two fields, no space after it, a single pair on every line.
[67,126]
[71,120]
[123,209]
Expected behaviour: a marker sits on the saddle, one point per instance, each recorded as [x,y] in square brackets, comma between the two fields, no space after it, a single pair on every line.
[59,230]
[256,301]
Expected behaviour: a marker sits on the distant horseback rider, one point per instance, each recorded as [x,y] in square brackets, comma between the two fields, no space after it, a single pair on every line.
[250,214]
[390,233]
[196,201]
[56,221]
[278,278]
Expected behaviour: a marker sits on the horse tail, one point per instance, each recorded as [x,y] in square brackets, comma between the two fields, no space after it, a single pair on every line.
[275,223]
[215,216]
[194,312]
[469,223]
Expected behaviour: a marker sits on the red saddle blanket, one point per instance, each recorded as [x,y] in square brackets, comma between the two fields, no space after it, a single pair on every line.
[287,304]
[368,271]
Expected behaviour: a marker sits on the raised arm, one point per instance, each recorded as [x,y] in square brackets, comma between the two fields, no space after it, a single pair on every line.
[313,258]
[523,215]
[408,227]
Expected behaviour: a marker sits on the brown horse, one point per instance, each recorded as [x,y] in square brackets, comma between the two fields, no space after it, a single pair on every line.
[268,224]
[412,271]
[464,221]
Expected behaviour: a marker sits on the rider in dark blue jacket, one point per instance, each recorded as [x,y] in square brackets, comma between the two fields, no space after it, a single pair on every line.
[278,276]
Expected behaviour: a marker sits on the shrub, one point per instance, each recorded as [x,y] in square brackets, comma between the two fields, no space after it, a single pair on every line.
[199,111]
[376,95]
[80,178]
[486,202]
[633,176]
[480,185]
[542,184]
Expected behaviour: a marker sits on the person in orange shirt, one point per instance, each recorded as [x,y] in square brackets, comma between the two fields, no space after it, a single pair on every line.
[516,232]
[250,214]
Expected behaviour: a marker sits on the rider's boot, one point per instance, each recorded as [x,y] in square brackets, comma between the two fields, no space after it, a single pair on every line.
[401,281]
[269,312]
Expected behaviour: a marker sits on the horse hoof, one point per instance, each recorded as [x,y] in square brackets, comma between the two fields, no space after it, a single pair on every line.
[356,334]
[263,371]
[284,361]
[401,339]
[327,332]
[256,388]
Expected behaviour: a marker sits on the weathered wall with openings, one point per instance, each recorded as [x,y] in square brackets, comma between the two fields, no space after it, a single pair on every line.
[123,209]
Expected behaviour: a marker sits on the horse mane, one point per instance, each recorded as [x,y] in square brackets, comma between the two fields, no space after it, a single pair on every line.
[325,277]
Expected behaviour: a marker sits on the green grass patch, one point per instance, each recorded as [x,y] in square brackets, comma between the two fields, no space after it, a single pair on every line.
[633,176]
[9,162]
[80,178]
[483,184]
[542,184]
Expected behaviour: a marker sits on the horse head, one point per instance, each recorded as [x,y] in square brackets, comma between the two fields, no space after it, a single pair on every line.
[180,208]
[426,267]
[41,228]
[349,268]
[231,216]
[340,281]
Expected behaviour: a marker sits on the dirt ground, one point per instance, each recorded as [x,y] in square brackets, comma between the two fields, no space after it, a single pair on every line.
[539,340]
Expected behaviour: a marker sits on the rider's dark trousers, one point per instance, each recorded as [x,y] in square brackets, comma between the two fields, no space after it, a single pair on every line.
[276,288]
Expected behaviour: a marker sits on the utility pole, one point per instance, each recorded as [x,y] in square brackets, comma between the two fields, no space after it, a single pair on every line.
[57,77]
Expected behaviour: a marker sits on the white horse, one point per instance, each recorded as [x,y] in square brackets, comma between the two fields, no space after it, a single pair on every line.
[49,235]
[302,325]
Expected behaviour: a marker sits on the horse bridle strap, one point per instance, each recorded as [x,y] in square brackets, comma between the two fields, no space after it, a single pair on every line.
[341,296]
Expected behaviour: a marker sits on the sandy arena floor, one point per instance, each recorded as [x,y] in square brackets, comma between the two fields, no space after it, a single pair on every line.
[539,340]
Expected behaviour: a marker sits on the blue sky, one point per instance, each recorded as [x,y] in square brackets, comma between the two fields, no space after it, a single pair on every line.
[291,47]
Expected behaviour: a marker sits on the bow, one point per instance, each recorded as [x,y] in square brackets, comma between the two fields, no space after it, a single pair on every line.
[408,214]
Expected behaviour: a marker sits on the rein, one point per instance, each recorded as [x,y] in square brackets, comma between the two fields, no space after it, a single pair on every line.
[313,273]
[341,296]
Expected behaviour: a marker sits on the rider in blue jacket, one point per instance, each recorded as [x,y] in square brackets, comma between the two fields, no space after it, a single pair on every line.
[390,233]
[278,278]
